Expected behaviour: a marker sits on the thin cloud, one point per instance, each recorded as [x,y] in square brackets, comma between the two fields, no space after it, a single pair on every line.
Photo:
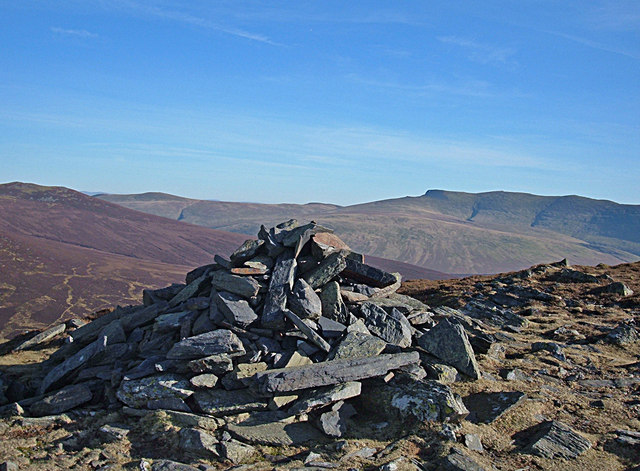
[595,45]
[189,19]
[79,33]
[481,52]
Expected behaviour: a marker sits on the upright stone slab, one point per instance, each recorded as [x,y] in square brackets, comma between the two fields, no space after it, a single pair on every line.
[282,279]
[304,301]
[328,269]
[332,305]
[449,342]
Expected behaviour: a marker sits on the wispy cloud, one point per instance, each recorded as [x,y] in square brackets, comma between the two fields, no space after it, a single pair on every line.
[187,18]
[80,33]
[596,45]
[618,15]
[481,52]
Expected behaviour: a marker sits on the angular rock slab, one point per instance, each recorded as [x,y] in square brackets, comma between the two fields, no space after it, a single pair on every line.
[332,305]
[487,407]
[331,372]
[304,301]
[243,286]
[276,433]
[324,397]
[42,337]
[334,422]
[367,274]
[556,440]
[220,402]
[168,465]
[393,328]
[449,342]
[357,345]
[329,268]
[62,401]
[72,363]
[198,442]
[422,401]
[282,279]
[204,345]
[235,309]
[308,332]
[458,461]
[137,393]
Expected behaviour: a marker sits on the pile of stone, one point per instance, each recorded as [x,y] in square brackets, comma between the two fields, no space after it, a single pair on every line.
[283,343]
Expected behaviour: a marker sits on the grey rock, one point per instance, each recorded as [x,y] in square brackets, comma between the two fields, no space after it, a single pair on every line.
[198,442]
[328,269]
[114,332]
[443,373]
[62,401]
[357,345]
[220,402]
[623,334]
[241,376]
[42,337]
[393,328]
[151,296]
[326,396]
[282,279]
[215,364]
[235,309]
[138,392]
[304,301]
[555,440]
[72,363]
[331,328]
[140,317]
[246,251]
[197,304]
[367,274]
[190,290]
[308,332]
[171,321]
[332,305]
[417,401]
[202,324]
[243,286]
[449,342]
[236,451]
[458,461]
[209,343]
[275,433]
[168,465]
[114,432]
[206,380]
[616,287]
[486,407]
[473,442]
[202,270]
[568,275]
[334,422]
[551,347]
[331,372]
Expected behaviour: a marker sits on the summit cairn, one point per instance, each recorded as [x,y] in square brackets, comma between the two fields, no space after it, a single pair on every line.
[274,346]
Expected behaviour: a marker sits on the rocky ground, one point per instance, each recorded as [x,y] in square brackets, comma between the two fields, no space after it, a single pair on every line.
[295,354]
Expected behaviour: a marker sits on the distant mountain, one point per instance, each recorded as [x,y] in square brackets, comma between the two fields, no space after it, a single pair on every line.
[65,254]
[448,231]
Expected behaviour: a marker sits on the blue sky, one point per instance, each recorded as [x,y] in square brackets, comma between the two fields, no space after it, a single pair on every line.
[339,102]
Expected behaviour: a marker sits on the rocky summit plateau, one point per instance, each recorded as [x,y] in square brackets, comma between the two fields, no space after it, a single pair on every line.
[294,353]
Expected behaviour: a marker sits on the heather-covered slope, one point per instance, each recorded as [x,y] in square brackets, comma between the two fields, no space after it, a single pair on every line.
[448,231]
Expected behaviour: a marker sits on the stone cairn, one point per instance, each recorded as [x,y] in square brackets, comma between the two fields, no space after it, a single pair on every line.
[280,344]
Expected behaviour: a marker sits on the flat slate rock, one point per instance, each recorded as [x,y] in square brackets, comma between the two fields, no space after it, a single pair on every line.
[220,402]
[308,332]
[486,407]
[243,286]
[234,308]
[329,268]
[393,328]
[458,461]
[62,401]
[556,440]
[168,465]
[325,396]
[331,372]
[449,342]
[138,393]
[304,301]
[276,433]
[203,345]
[42,337]
[367,274]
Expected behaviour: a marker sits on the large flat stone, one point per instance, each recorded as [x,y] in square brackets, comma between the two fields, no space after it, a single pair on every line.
[246,251]
[367,274]
[331,372]
[243,286]
[449,342]
[220,402]
[276,433]
[326,396]
[138,393]
[42,337]
[486,407]
[203,345]
[308,332]
[555,440]
[62,401]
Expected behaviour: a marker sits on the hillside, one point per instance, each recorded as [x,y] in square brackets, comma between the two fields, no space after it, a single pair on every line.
[452,232]
[65,254]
